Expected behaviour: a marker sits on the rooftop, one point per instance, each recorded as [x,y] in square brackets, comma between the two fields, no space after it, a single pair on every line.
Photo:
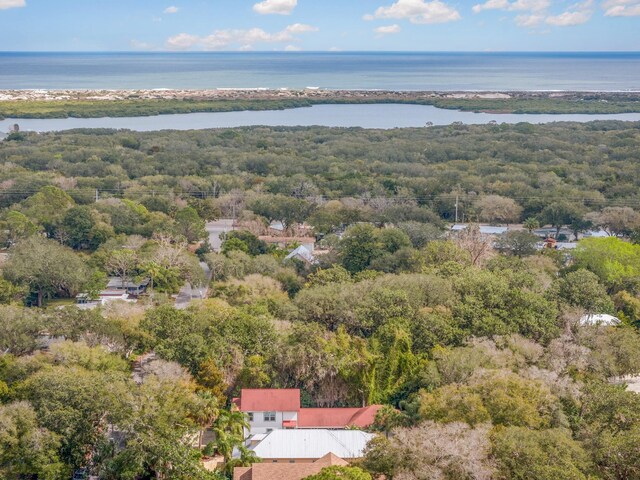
[288,400]
[269,400]
[484,229]
[337,417]
[115,283]
[312,444]
[286,471]
[599,319]
[303,252]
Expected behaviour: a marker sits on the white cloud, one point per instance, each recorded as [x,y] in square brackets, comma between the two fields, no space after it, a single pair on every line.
[300,28]
[388,29]
[6,4]
[576,14]
[517,6]
[621,8]
[182,41]
[530,5]
[529,21]
[275,7]
[417,11]
[567,19]
[238,39]
[171,9]
[292,48]
[491,5]
[538,12]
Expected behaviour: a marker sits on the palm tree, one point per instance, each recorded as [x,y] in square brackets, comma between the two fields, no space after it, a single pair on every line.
[153,270]
[207,413]
[531,224]
[246,459]
[229,429]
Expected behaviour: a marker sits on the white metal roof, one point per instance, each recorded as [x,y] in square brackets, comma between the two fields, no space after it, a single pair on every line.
[484,229]
[303,252]
[313,443]
[566,245]
[115,283]
[596,233]
[489,230]
[277,226]
[599,319]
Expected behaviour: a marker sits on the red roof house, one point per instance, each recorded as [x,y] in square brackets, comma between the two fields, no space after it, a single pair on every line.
[269,400]
[270,409]
[337,417]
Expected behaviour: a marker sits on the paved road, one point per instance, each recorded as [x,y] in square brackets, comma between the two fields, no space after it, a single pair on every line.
[215,229]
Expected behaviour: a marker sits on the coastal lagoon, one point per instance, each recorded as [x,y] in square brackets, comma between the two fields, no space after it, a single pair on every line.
[383,116]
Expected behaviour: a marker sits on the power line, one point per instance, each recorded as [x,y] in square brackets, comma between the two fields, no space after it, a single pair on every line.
[320,197]
[453,197]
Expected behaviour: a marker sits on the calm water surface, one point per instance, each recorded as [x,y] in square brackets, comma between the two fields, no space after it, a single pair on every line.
[366,116]
[337,70]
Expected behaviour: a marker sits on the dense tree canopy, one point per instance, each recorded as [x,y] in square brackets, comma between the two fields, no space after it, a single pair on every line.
[473,344]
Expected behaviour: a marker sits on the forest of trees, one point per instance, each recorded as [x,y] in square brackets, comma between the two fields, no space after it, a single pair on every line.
[474,346]
[147,103]
[557,173]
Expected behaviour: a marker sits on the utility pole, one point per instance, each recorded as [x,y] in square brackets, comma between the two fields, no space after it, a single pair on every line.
[233,224]
[457,199]
[97,195]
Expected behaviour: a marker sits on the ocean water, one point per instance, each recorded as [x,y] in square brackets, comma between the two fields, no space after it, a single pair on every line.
[339,70]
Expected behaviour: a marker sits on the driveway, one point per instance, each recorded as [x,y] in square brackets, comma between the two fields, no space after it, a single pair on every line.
[188,292]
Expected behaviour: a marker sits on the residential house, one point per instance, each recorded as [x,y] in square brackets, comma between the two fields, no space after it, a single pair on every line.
[302,254]
[269,409]
[336,418]
[129,286]
[309,445]
[287,471]
[277,228]
[275,409]
[85,302]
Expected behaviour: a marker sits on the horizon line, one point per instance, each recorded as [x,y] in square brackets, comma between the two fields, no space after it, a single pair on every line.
[301,52]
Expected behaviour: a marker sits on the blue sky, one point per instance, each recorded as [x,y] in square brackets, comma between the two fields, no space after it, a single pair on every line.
[312,25]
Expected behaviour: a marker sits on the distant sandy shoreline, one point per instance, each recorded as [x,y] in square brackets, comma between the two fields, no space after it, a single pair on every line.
[78,103]
[41,95]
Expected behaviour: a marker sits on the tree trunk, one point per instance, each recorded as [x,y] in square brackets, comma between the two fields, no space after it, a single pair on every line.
[40,295]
